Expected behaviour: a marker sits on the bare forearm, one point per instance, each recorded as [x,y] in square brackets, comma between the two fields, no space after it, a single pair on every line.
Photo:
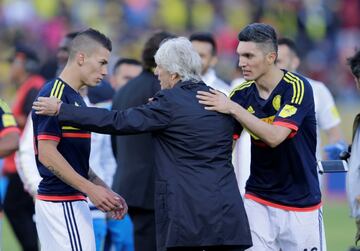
[57,164]
[9,144]
[270,134]
[96,180]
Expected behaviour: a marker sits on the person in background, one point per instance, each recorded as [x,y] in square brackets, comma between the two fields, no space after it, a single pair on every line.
[117,233]
[352,180]
[18,204]
[9,142]
[125,69]
[134,177]
[327,115]
[62,54]
[205,45]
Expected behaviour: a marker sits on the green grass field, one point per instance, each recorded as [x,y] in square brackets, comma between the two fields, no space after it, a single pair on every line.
[340,229]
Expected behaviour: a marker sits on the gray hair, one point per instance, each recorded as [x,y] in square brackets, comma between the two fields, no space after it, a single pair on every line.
[177,55]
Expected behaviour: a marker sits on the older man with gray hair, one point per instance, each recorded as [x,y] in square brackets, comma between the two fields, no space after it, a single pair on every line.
[197,202]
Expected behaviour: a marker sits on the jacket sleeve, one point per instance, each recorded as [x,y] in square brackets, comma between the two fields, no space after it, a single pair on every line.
[155,115]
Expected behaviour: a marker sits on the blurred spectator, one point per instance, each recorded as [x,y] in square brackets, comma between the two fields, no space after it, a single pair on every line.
[9,142]
[323,28]
[124,70]
[18,204]
[327,115]
[119,233]
[205,45]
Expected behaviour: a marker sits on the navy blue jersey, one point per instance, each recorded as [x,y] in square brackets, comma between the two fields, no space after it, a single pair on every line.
[74,144]
[284,176]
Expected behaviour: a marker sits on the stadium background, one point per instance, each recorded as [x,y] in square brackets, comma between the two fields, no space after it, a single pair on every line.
[326,31]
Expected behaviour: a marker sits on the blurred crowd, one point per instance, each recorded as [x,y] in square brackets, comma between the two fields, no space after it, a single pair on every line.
[327,31]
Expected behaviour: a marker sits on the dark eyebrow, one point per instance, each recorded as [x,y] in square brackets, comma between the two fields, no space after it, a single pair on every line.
[247,54]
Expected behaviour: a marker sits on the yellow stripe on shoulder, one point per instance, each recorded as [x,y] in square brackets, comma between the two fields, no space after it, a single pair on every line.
[54,88]
[61,91]
[302,87]
[242,86]
[4,106]
[298,87]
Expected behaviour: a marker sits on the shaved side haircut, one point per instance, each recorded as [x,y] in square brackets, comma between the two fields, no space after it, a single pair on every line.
[87,41]
[262,34]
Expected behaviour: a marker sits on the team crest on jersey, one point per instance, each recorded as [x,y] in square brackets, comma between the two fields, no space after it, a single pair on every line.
[250,109]
[76,104]
[276,102]
[288,111]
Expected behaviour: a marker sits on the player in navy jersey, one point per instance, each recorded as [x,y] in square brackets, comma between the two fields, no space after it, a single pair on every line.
[62,154]
[276,107]
[9,142]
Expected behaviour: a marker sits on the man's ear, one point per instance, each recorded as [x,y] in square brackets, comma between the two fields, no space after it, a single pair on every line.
[271,57]
[295,62]
[80,58]
[174,76]
[213,61]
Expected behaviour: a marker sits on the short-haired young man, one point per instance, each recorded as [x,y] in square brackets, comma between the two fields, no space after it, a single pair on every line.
[125,69]
[63,217]
[282,200]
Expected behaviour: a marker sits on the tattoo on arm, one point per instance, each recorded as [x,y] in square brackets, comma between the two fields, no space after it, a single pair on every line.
[92,175]
[56,172]
[95,179]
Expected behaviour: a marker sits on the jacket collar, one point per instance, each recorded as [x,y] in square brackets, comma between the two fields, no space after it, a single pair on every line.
[188,82]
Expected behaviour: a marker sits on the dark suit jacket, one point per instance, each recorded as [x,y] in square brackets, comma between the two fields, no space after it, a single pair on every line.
[134,178]
[197,201]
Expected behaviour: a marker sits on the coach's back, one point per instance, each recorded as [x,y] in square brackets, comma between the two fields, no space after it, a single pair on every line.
[197,200]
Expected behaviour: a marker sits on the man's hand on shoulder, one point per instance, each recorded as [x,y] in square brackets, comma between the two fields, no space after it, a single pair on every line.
[49,106]
[215,101]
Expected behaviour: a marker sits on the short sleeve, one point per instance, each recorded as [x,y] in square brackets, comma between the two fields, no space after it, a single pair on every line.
[236,96]
[297,103]
[47,128]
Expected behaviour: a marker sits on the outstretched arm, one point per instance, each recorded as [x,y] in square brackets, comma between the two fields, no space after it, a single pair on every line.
[150,117]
